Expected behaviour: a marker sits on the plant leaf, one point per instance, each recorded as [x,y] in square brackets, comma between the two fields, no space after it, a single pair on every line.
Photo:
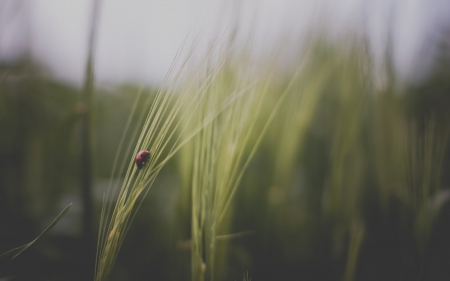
[13,253]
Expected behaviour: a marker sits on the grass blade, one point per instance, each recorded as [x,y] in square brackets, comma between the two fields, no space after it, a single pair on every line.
[13,253]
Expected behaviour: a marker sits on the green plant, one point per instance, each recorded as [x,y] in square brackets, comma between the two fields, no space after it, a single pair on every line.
[13,253]
[223,151]
[159,137]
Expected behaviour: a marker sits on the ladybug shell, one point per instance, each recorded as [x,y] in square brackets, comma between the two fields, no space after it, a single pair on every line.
[142,158]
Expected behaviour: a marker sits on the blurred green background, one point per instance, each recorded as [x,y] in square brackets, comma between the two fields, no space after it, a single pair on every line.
[351,181]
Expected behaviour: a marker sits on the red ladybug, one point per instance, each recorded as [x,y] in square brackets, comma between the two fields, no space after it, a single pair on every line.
[142,158]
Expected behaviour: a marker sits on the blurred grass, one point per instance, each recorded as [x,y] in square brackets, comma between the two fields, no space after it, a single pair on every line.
[349,182]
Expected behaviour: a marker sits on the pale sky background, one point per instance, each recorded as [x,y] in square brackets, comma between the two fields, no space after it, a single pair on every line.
[137,39]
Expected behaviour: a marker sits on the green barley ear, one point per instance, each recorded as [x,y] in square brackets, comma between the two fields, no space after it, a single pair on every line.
[158,136]
[222,151]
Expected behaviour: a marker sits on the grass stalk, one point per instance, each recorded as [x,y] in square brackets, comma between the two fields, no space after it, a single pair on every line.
[87,135]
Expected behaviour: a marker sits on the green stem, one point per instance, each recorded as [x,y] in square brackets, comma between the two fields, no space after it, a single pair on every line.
[87,137]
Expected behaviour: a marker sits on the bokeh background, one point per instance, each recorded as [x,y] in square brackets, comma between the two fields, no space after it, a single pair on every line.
[350,186]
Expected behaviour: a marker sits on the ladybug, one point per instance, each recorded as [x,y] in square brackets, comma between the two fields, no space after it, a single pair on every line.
[142,158]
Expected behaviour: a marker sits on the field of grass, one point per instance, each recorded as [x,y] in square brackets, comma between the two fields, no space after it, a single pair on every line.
[259,169]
